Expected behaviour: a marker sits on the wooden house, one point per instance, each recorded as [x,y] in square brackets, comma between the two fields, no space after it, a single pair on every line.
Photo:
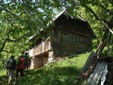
[68,36]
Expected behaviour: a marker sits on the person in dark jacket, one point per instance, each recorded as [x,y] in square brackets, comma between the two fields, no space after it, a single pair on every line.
[11,65]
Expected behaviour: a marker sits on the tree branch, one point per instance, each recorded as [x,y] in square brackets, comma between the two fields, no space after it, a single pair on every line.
[10,40]
[3,45]
[105,8]
[6,39]
[3,8]
[6,51]
[105,36]
[106,24]
[96,17]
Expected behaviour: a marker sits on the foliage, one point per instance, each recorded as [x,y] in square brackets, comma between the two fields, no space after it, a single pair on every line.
[2,72]
[21,19]
[63,72]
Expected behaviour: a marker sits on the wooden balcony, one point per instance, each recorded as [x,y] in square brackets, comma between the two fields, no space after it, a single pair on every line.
[45,46]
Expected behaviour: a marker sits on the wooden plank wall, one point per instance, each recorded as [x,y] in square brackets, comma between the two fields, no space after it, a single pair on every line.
[69,44]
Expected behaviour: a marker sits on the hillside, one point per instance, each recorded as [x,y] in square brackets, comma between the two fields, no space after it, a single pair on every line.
[63,72]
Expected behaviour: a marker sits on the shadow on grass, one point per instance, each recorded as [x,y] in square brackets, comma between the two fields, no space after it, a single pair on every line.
[3,80]
[52,76]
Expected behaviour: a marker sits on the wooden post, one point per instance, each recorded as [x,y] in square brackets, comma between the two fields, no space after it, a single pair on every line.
[102,43]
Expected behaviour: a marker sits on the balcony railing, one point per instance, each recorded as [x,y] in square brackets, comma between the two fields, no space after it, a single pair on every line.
[41,48]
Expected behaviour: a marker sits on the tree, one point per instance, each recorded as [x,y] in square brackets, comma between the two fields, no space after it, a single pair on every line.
[20,19]
[105,18]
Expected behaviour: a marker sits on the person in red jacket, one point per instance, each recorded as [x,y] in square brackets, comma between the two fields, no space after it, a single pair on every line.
[20,66]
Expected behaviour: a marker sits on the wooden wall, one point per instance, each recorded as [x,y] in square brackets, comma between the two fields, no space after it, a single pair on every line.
[40,54]
[41,48]
[65,43]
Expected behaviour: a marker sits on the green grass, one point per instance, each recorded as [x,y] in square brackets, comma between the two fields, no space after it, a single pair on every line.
[63,72]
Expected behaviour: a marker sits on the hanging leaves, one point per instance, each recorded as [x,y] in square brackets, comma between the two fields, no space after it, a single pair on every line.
[20,19]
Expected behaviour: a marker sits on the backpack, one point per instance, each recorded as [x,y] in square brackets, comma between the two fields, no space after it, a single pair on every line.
[11,63]
[21,63]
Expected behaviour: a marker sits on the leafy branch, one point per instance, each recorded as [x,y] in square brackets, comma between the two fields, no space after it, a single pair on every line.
[3,45]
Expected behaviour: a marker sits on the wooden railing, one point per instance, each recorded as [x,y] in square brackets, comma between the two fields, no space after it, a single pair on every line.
[41,48]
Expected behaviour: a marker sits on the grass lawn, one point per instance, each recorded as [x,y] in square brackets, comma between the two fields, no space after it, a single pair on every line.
[63,72]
